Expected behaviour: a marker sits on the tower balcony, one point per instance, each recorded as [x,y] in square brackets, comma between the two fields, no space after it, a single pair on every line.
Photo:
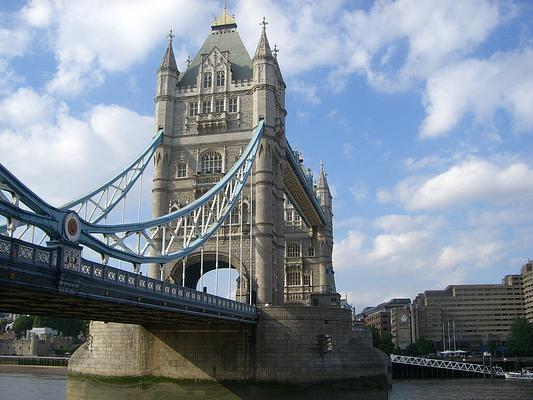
[212,122]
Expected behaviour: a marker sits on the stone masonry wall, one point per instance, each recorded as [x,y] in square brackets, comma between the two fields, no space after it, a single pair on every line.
[283,347]
[288,347]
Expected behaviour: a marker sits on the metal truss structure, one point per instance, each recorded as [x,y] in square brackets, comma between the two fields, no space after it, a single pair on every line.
[160,240]
[444,364]
[98,203]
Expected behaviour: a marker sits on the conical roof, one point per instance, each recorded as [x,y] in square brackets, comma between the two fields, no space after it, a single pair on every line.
[263,47]
[169,61]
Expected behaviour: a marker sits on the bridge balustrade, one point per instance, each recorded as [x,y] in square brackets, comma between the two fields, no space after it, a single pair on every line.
[16,251]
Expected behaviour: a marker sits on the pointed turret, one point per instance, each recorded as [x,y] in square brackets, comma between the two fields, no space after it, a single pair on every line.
[263,47]
[169,61]
[322,188]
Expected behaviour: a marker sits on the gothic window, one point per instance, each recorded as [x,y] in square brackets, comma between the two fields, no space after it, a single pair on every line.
[211,163]
[311,251]
[207,80]
[221,78]
[293,250]
[181,170]
[289,216]
[193,109]
[293,278]
[307,280]
[232,106]
[235,215]
[206,107]
[219,105]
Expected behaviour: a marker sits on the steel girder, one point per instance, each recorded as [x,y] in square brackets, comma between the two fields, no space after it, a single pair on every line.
[160,240]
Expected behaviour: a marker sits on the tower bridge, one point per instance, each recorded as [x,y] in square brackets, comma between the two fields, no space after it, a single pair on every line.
[228,191]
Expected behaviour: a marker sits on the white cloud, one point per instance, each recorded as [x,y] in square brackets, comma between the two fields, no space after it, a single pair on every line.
[306,32]
[90,42]
[347,149]
[473,180]
[305,91]
[76,153]
[432,34]
[26,108]
[359,191]
[480,88]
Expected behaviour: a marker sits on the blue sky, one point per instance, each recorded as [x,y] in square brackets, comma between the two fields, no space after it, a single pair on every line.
[422,112]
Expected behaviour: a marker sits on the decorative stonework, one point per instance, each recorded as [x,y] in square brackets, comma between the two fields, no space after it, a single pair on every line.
[71,259]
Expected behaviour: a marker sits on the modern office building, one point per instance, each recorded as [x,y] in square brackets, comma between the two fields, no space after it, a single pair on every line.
[527,284]
[469,316]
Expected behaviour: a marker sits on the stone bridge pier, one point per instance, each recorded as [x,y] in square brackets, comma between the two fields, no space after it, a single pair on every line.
[286,347]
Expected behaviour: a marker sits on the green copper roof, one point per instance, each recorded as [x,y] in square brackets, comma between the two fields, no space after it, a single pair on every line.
[224,40]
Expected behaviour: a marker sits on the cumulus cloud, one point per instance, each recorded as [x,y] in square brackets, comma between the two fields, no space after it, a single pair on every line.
[76,152]
[421,37]
[473,180]
[89,42]
[480,88]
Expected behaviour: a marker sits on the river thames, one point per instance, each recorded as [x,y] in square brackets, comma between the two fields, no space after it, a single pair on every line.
[53,385]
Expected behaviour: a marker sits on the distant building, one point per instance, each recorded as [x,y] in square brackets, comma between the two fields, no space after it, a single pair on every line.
[34,345]
[527,284]
[469,316]
[391,317]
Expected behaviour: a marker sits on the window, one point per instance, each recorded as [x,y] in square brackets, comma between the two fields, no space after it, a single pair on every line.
[211,163]
[207,80]
[232,106]
[193,109]
[293,249]
[206,107]
[289,216]
[181,171]
[311,251]
[307,280]
[220,78]
[293,278]
[219,106]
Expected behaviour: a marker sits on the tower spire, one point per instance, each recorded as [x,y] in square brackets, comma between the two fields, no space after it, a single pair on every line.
[169,61]
[263,47]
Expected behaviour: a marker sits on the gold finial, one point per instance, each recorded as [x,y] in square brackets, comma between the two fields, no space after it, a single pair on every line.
[225,18]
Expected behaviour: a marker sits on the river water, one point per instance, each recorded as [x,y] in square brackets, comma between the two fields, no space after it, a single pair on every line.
[53,386]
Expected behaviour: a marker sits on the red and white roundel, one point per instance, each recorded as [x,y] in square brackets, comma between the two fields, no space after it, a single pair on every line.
[72,227]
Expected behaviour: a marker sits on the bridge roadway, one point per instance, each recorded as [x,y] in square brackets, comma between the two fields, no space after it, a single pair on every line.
[57,281]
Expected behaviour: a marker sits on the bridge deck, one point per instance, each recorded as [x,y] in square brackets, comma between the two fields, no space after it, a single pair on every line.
[42,280]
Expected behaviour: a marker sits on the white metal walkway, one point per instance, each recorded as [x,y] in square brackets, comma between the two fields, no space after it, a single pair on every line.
[444,364]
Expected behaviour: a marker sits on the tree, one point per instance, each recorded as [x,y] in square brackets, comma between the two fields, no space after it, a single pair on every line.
[424,346]
[67,326]
[521,341]
[375,336]
[386,344]
[22,324]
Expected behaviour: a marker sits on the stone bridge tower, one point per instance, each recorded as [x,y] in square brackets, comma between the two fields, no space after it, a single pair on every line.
[208,113]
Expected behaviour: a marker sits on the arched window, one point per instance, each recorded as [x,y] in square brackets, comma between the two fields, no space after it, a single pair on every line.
[181,170]
[294,249]
[211,163]
[221,78]
[207,80]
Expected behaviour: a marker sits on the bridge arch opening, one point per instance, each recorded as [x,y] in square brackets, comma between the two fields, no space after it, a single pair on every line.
[226,284]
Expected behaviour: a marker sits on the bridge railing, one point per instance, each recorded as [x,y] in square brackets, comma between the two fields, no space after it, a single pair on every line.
[446,364]
[66,258]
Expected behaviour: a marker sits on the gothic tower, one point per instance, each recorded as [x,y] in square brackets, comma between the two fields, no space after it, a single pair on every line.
[208,114]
